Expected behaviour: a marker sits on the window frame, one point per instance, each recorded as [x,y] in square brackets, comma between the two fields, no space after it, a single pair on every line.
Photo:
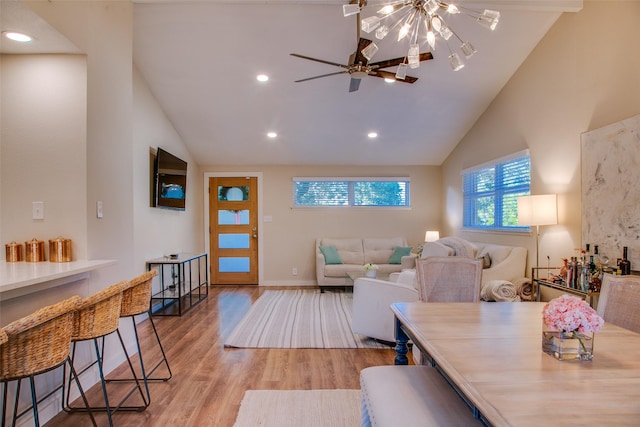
[498,192]
[350,191]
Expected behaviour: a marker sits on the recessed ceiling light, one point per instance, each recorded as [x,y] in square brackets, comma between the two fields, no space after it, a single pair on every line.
[17,37]
[262,77]
[372,135]
[272,134]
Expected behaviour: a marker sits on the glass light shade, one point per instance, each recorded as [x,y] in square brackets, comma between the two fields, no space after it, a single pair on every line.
[468,49]
[453,9]
[401,73]
[382,31]
[350,9]
[455,62]
[445,32]
[431,6]
[541,209]
[431,236]
[369,24]
[436,23]
[369,51]
[413,56]
[489,19]
[386,10]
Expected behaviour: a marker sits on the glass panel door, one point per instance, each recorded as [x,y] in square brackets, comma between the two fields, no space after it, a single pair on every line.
[233,210]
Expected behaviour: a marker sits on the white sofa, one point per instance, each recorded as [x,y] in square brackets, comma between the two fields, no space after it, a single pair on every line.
[500,281]
[354,253]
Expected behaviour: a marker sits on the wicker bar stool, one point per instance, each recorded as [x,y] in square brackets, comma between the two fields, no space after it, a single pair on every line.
[33,345]
[136,301]
[98,316]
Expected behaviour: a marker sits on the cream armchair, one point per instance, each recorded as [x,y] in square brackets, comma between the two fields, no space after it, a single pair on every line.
[371,315]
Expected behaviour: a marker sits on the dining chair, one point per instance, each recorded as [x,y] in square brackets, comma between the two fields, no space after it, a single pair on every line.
[136,300]
[449,279]
[33,345]
[619,301]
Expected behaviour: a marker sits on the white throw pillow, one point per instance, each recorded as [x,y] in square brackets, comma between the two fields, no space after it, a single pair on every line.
[436,249]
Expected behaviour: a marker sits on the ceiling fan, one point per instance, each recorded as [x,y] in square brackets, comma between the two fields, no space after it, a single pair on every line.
[359,67]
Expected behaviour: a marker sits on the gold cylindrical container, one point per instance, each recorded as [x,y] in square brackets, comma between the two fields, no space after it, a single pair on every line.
[13,252]
[60,250]
[34,250]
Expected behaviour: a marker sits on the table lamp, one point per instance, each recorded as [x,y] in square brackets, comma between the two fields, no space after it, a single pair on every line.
[431,236]
[540,209]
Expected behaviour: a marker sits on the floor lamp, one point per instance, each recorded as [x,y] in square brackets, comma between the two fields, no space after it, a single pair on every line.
[541,209]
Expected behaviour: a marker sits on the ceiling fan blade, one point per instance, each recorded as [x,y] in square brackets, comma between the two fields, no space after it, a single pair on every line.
[318,77]
[359,57]
[319,60]
[390,75]
[397,61]
[354,84]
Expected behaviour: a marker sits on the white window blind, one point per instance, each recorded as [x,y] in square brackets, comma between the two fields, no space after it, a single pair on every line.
[338,191]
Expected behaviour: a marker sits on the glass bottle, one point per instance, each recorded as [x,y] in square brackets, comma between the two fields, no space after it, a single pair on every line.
[625,264]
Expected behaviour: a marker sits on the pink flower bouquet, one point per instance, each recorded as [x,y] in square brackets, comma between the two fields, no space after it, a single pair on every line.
[571,314]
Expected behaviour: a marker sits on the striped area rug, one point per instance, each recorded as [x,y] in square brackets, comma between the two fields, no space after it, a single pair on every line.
[299,408]
[299,319]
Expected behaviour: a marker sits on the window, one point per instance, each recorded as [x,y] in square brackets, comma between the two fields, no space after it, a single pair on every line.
[490,193]
[317,192]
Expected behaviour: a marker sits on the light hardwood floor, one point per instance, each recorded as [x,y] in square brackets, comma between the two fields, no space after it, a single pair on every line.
[209,380]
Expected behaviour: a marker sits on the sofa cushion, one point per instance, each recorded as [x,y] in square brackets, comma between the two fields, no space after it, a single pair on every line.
[350,250]
[408,277]
[436,249]
[398,253]
[331,255]
[379,250]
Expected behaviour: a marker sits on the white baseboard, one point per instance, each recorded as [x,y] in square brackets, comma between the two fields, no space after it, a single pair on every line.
[289,283]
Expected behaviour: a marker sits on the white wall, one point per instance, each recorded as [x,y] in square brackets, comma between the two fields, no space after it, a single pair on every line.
[160,232]
[289,240]
[43,144]
[577,79]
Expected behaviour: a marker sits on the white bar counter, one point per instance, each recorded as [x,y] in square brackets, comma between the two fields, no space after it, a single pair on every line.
[22,278]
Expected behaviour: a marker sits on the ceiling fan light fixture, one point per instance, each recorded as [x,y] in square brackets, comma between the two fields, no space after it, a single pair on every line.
[407,12]
[389,80]
[358,74]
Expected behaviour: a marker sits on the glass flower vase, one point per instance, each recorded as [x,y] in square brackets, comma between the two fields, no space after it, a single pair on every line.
[567,345]
[370,273]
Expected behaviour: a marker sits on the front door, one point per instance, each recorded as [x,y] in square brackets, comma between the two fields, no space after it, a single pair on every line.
[233,216]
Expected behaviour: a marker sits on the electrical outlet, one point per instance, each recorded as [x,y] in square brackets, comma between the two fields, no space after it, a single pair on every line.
[294,271]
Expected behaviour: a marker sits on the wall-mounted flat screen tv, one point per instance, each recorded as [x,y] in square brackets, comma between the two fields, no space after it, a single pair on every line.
[170,181]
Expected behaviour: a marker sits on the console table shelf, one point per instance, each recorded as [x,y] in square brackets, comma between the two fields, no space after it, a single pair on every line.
[183,283]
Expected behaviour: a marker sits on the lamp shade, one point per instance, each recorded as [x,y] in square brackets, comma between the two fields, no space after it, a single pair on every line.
[431,236]
[540,209]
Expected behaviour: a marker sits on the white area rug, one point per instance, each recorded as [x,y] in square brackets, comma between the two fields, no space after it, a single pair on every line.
[299,319]
[296,408]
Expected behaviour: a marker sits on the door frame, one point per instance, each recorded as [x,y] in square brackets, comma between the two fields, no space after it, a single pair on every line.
[207,233]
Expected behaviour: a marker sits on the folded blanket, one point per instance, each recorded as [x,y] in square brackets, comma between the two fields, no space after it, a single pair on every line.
[524,288]
[499,290]
[461,246]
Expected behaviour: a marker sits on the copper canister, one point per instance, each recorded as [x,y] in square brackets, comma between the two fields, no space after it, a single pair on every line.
[13,252]
[34,250]
[60,250]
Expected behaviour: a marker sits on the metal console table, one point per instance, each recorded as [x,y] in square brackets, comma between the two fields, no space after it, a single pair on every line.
[183,283]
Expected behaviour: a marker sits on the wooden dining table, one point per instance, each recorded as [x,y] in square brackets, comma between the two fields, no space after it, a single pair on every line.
[491,353]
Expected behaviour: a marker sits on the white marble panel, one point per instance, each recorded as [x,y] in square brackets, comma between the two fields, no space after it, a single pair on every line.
[610,189]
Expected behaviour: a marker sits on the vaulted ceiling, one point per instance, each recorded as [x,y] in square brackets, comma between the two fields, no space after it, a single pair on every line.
[200,60]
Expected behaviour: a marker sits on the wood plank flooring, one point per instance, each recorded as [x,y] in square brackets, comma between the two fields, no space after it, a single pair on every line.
[209,380]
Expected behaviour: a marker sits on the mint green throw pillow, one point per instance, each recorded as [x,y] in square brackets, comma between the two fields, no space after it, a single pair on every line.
[331,255]
[398,253]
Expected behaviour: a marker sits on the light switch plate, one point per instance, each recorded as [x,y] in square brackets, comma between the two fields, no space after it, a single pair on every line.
[99,209]
[38,210]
